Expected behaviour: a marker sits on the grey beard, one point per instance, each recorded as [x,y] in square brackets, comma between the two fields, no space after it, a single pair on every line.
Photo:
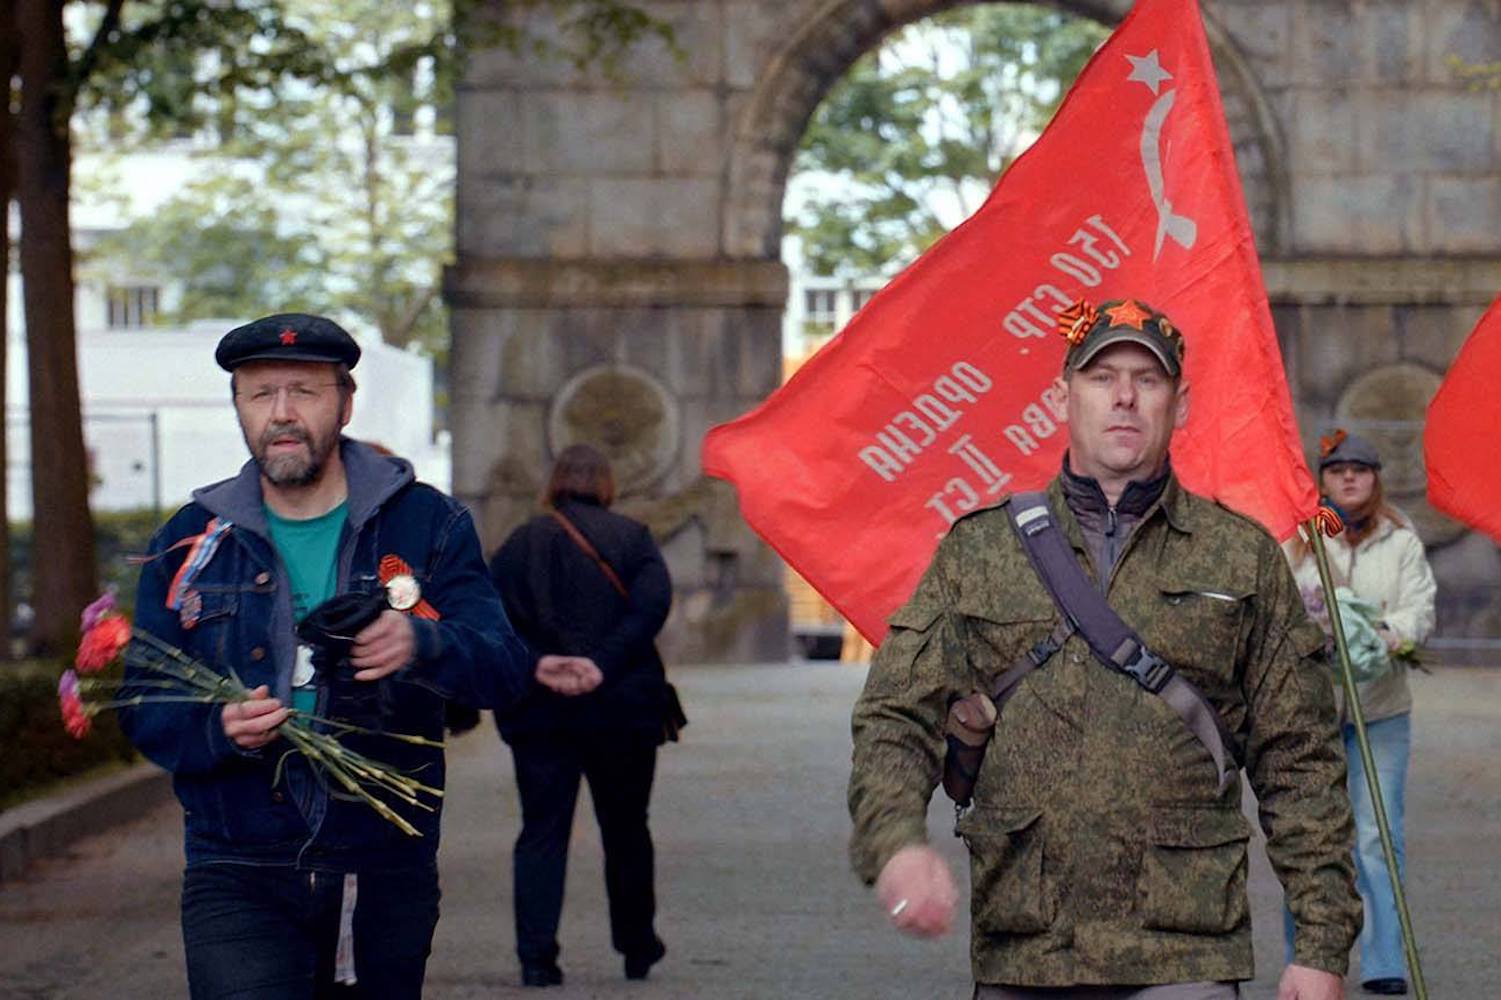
[293,470]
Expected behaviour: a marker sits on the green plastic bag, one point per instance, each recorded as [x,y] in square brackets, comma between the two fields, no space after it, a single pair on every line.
[1369,658]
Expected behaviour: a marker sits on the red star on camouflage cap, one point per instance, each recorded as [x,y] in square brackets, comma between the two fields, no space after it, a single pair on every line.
[1089,331]
[1128,313]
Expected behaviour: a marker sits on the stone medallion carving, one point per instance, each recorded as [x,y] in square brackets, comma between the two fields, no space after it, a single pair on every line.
[626,413]
[1387,406]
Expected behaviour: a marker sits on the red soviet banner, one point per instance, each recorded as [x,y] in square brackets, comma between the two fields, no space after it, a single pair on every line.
[937,399]
[1463,480]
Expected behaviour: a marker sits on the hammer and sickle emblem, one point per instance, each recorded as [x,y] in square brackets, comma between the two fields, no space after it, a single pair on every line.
[1181,228]
[1148,71]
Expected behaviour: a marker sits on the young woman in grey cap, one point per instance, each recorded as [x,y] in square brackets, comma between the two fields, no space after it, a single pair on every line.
[1380,559]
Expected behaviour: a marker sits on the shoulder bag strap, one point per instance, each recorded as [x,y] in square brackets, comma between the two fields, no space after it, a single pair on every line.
[590,551]
[1110,639]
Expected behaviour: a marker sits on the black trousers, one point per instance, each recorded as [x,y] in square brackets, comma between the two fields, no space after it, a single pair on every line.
[619,769]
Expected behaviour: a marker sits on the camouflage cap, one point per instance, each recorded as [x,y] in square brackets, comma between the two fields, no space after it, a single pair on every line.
[1342,446]
[1089,331]
[287,337]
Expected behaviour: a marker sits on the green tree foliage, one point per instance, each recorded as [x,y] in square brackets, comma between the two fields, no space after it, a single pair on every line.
[173,67]
[221,240]
[1475,76]
[319,197]
[911,141]
[311,196]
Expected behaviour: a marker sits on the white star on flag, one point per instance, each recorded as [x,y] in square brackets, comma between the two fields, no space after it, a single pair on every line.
[1148,70]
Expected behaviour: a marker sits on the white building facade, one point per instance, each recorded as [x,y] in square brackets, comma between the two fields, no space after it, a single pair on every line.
[158,417]
[159,421]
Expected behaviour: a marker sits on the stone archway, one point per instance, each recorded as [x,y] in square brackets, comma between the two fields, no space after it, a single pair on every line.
[626,229]
[802,71]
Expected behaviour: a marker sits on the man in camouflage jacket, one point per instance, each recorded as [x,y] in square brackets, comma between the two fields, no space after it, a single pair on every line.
[1103,850]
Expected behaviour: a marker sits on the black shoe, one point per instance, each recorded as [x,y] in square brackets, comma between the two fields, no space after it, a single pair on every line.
[542,975]
[638,966]
[1395,986]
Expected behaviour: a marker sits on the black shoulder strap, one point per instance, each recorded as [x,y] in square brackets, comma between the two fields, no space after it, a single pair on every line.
[1110,639]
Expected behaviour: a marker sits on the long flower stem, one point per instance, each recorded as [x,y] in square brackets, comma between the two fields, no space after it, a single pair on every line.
[183,679]
[330,752]
[299,738]
[94,707]
[342,728]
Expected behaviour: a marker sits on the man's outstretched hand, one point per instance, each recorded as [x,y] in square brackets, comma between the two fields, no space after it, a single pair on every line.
[1299,982]
[917,890]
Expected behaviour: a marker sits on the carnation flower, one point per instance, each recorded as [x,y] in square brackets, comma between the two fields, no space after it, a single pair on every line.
[77,723]
[103,605]
[75,716]
[102,643]
[161,673]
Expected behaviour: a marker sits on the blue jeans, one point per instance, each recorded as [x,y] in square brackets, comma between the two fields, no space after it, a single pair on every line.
[1381,954]
[269,932]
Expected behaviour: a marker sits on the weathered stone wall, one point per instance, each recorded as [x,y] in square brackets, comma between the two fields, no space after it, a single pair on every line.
[1390,252]
[618,238]
[1371,364]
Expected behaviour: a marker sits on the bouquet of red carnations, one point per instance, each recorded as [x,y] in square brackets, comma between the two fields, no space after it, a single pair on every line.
[168,674]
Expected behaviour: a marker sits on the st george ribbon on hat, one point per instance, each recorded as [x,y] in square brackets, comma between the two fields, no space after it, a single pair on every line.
[287,337]
[1089,330]
[1342,446]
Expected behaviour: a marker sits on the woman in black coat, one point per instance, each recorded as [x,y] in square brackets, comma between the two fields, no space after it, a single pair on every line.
[607,606]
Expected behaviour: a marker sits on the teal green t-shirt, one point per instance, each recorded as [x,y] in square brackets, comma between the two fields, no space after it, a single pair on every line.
[309,549]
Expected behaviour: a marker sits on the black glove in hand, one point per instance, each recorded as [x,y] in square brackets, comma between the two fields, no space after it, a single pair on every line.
[330,629]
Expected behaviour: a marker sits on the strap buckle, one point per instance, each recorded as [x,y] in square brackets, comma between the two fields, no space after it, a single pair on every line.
[1043,650]
[1148,669]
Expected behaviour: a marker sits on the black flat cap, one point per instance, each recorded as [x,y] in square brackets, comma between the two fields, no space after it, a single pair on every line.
[287,337]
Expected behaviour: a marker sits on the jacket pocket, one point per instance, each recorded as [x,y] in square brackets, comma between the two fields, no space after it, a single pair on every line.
[1009,628]
[210,622]
[913,616]
[913,626]
[1193,873]
[1199,631]
[1008,891]
[239,807]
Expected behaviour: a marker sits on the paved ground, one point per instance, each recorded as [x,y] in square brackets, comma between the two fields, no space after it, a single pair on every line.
[757,901]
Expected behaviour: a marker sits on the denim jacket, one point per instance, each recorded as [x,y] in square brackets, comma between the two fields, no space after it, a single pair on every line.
[268,806]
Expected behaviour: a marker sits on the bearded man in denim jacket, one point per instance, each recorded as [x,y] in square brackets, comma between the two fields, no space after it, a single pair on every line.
[291,885]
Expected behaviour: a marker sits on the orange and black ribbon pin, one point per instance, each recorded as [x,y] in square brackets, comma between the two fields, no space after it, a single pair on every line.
[392,568]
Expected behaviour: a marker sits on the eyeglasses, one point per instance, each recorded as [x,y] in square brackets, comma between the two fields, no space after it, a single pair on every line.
[298,394]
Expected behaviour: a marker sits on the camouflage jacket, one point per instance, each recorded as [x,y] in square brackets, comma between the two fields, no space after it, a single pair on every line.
[1101,850]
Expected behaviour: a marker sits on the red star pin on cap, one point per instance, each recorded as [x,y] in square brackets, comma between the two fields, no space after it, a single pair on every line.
[1128,313]
[287,337]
